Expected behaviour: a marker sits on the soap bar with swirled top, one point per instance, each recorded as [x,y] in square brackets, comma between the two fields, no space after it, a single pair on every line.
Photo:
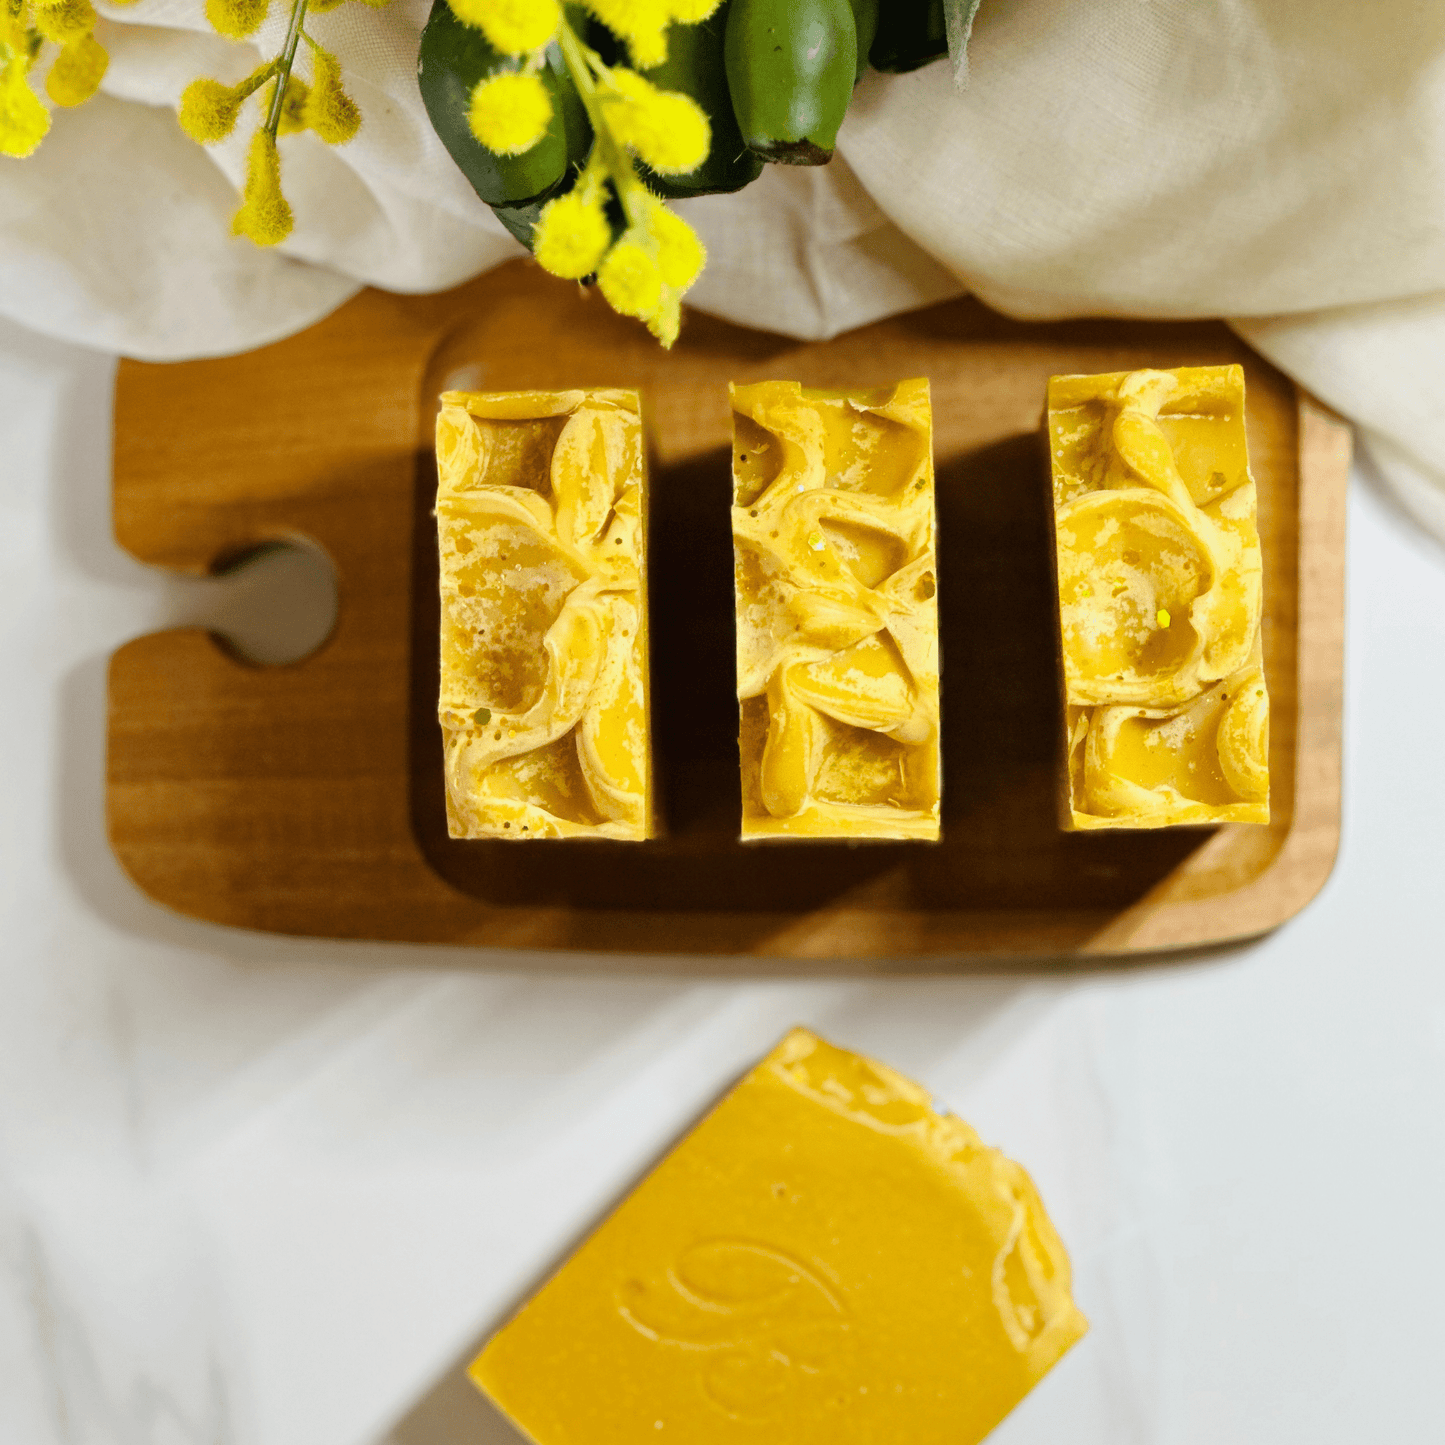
[823,1260]
[837,617]
[541,521]
[1166,709]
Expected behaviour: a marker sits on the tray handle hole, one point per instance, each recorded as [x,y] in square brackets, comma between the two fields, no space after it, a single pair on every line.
[275,603]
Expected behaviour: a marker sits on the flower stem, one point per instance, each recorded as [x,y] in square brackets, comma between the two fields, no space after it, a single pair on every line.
[618,163]
[256,79]
[284,62]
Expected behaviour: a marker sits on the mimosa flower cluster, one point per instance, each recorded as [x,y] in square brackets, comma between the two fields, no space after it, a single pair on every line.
[644,270]
[210,110]
[27,28]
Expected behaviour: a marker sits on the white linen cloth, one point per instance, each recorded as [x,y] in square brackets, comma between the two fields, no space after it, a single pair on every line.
[1278,162]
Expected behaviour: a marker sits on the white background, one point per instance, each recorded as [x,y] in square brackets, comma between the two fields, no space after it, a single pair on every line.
[258,1191]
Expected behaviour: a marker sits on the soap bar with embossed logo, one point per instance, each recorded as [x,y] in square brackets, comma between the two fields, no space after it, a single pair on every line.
[823,1260]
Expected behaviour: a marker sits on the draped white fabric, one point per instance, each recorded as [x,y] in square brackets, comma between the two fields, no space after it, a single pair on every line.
[1278,162]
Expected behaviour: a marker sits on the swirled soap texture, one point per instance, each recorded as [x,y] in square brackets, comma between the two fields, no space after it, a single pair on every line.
[541,529]
[823,1260]
[1160,596]
[835,578]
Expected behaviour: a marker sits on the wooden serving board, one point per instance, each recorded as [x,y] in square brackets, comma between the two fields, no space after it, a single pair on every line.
[307,799]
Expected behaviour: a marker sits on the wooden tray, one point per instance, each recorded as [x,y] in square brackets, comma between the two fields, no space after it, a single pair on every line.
[307,799]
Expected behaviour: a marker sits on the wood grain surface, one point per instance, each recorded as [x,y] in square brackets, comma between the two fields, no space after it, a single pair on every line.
[307,799]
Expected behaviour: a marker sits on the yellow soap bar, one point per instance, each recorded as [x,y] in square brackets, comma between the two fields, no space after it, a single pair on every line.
[541,528]
[823,1260]
[1159,587]
[837,613]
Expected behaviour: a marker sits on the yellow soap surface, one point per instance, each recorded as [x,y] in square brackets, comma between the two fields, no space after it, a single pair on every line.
[823,1260]
[541,523]
[1160,595]
[837,613]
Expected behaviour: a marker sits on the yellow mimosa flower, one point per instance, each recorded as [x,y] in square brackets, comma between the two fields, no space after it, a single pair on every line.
[209,109]
[666,320]
[641,23]
[510,112]
[23,119]
[680,254]
[515,27]
[329,111]
[630,280]
[65,21]
[689,12]
[571,235]
[77,72]
[265,215]
[293,105]
[236,19]
[667,129]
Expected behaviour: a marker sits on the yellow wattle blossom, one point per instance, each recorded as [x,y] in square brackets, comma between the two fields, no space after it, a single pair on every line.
[667,129]
[641,23]
[236,19]
[293,105]
[689,12]
[77,72]
[658,256]
[23,119]
[666,321]
[265,215]
[209,109]
[510,112]
[65,21]
[680,254]
[630,280]
[26,27]
[572,234]
[515,27]
[329,111]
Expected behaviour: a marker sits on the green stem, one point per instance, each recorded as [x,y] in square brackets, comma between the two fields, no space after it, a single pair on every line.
[284,62]
[614,155]
[256,79]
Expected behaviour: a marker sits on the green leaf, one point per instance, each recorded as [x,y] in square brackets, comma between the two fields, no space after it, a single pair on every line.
[958,17]
[452,58]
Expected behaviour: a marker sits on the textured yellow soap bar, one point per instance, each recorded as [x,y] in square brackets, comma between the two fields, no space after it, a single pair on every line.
[837,617]
[824,1260]
[1167,714]
[541,525]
